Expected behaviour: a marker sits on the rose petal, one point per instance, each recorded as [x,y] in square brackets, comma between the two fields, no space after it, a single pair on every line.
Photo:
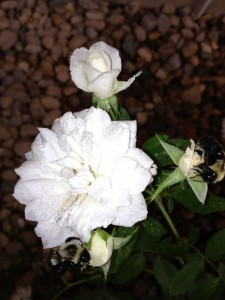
[103,85]
[111,51]
[137,212]
[127,83]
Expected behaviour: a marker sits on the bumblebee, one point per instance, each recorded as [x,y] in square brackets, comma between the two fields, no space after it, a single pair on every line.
[70,254]
[212,169]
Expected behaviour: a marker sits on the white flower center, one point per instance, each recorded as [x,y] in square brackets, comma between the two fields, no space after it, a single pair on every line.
[100,61]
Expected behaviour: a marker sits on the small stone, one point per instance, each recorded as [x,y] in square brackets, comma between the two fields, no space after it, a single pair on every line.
[7,39]
[48,42]
[24,66]
[4,24]
[149,22]
[163,23]
[206,48]
[6,102]
[4,133]
[145,54]
[95,15]
[189,23]
[53,90]
[36,109]
[189,49]
[187,33]
[29,237]
[116,19]
[88,4]
[142,117]
[22,147]
[173,63]
[169,9]
[9,4]
[192,95]
[33,48]
[4,240]
[161,73]
[28,130]
[140,33]
[9,175]
[50,103]
[96,24]
[47,68]
[51,116]
[63,77]
[77,42]
[195,61]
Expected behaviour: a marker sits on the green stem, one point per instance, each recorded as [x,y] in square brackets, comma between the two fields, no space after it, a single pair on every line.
[74,284]
[167,217]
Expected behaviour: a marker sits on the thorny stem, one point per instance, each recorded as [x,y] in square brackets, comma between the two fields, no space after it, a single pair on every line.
[74,284]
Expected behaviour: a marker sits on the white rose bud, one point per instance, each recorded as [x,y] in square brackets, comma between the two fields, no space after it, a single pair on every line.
[101,249]
[96,70]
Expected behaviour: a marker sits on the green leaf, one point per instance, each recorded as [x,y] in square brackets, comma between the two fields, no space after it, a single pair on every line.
[170,204]
[215,248]
[171,250]
[120,255]
[153,227]
[206,289]
[164,271]
[123,114]
[184,279]
[105,269]
[188,199]
[180,143]
[155,150]
[174,152]
[174,177]
[199,187]
[131,268]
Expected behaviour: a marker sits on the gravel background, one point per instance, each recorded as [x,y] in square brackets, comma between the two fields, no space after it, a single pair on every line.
[181,90]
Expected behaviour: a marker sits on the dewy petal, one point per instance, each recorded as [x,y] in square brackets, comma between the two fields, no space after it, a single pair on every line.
[103,85]
[52,234]
[137,212]
[129,174]
[91,72]
[141,157]
[127,83]
[133,131]
[78,75]
[111,51]
[44,208]
[100,61]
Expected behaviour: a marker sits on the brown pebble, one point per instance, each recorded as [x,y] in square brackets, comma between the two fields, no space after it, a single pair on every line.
[36,109]
[9,175]
[163,23]
[22,147]
[29,237]
[28,130]
[51,116]
[4,23]
[33,48]
[4,240]
[9,4]
[161,73]
[149,21]
[48,42]
[50,103]
[96,24]
[53,90]
[14,247]
[141,117]
[77,42]
[88,4]
[95,15]
[145,54]
[169,9]
[4,132]
[173,63]
[6,102]
[7,39]
[140,33]
[47,68]
[192,95]
[189,49]
[206,48]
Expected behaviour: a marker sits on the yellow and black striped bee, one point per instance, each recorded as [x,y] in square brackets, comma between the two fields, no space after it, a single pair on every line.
[70,254]
[212,169]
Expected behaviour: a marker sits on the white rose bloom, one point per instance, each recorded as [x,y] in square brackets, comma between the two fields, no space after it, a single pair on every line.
[96,70]
[82,174]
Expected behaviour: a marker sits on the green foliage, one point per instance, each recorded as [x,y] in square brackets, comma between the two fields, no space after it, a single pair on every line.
[153,227]
[123,114]
[215,248]
[186,197]
[130,268]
